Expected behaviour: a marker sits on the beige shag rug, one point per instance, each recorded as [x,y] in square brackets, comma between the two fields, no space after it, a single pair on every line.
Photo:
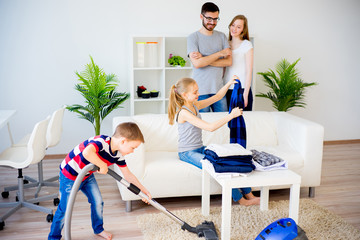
[247,222]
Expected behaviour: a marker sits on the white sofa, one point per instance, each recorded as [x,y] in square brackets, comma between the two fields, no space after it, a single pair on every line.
[157,165]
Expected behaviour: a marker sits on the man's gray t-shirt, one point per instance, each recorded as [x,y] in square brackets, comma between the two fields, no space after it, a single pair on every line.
[208,78]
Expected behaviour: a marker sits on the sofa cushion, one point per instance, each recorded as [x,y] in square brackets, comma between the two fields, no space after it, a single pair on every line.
[166,171]
[158,133]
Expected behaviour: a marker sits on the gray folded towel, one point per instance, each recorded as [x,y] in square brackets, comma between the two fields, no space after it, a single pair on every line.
[265,159]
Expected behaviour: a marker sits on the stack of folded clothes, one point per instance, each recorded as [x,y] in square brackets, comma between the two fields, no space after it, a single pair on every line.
[229,158]
[264,161]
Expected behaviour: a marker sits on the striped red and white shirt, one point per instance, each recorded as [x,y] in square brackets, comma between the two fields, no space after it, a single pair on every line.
[75,161]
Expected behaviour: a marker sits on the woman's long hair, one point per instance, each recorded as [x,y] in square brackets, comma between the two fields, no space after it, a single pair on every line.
[176,101]
[245,33]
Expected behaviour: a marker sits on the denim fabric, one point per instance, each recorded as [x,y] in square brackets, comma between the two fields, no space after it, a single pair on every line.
[90,188]
[238,194]
[219,106]
[239,164]
[228,160]
[195,156]
[244,168]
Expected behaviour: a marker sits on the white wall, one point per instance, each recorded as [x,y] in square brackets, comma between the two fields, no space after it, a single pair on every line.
[42,44]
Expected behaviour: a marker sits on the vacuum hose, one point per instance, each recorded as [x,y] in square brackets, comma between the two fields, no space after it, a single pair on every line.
[130,186]
[71,201]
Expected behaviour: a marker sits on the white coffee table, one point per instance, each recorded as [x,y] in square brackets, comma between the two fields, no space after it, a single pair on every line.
[255,179]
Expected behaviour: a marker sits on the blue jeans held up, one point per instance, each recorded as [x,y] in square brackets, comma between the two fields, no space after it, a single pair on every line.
[219,106]
[90,188]
[195,156]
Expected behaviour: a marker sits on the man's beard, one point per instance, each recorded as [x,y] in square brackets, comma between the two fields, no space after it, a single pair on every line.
[212,26]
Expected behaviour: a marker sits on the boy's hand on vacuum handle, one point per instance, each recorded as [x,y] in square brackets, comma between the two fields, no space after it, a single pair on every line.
[144,199]
[103,169]
[235,112]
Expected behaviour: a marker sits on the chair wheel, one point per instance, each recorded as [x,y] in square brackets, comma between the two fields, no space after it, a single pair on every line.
[49,217]
[16,198]
[25,181]
[5,194]
[56,201]
[2,225]
[37,203]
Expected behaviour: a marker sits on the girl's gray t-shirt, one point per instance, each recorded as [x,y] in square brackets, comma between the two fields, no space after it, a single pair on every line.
[190,137]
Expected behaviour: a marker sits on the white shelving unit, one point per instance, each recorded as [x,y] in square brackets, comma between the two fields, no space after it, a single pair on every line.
[156,74]
[159,75]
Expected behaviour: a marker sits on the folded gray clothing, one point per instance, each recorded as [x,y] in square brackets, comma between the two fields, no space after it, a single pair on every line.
[265,159]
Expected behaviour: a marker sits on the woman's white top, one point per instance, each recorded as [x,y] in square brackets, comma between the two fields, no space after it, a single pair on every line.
[238,66]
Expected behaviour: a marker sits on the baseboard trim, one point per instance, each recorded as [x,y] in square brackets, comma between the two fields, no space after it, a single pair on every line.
[350,141]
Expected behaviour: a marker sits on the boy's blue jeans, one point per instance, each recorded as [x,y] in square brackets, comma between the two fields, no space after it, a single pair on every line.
[90,188]
[219,106]
[195,156]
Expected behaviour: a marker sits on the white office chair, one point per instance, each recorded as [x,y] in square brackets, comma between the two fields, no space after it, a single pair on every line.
[53,136]
[19,158]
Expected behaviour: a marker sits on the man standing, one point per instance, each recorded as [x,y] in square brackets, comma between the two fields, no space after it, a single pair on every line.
[209,52]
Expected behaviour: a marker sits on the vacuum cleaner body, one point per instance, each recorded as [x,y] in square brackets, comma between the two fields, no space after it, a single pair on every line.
[282,229]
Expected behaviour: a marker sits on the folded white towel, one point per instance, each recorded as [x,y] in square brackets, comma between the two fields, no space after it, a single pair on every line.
[210,168]
[228,149]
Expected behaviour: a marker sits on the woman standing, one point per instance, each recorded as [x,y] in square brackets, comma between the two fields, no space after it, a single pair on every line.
[242,54]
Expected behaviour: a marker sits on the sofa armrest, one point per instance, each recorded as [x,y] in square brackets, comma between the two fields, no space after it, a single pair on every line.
[307,138]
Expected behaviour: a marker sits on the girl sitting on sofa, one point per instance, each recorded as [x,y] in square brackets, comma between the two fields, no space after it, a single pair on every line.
[184,108]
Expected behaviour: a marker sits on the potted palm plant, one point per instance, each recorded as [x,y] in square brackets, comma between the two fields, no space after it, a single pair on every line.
[287,89]
[98,89]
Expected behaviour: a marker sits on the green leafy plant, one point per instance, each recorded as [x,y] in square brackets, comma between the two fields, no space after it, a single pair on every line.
[98,89]
[176,61]
[287,90]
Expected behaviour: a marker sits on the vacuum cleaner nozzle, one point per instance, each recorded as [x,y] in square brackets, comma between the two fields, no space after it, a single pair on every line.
[206,230]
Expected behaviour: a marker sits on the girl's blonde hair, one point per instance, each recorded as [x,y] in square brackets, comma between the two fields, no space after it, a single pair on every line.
[245,33]
[176,101]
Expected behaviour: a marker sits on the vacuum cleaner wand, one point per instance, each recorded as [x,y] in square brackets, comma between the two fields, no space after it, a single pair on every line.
[206,229]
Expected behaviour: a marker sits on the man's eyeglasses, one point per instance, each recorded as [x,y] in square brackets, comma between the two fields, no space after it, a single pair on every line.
[210,18]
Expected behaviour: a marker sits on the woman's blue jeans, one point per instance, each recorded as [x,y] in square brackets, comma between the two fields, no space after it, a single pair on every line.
[90,188]
[195,156]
